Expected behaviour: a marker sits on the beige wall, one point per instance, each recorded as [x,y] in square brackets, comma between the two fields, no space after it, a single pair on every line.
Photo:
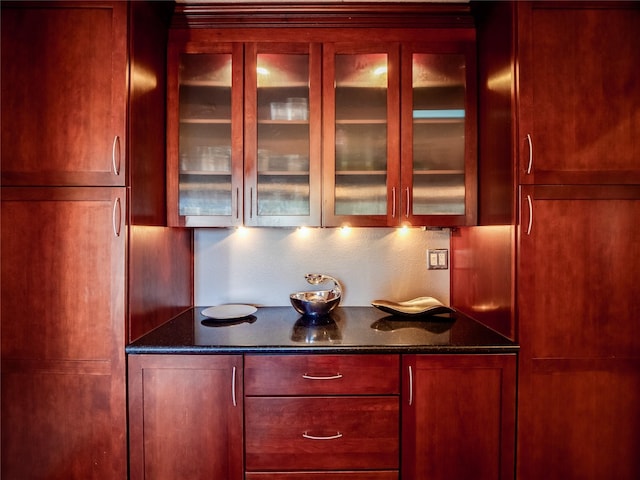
[264,265]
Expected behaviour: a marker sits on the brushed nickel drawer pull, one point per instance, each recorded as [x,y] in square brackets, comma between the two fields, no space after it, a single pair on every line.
[410,386]
[393,202]
[326,377]
[530,164]
[408,203]
[115,155]
[330,437]
[116,217]
[530,224]
[233,387]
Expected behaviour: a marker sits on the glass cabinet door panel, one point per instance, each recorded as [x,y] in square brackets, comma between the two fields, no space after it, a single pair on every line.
[283,181]
[361,89]
[205,185]
[282,134]
[439,98]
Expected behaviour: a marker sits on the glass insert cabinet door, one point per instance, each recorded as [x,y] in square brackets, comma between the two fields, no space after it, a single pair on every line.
[282,135]
[361,131]
[208,151]
[438,177]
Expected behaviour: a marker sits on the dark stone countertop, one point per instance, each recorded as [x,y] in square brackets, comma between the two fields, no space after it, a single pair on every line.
[347,330]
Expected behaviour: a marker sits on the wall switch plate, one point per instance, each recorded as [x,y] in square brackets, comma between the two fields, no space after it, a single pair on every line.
[437,259]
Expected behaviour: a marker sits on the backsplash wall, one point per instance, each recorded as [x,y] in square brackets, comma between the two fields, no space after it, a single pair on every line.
[262,266]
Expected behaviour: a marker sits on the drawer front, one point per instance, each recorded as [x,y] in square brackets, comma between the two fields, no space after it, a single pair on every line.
[321,433]
[322,374]
[342,475]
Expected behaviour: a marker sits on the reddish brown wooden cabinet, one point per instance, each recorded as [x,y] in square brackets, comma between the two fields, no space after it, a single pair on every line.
[81,228]
[578,94]
[563,207]
[331,415]
[578,294]
[68,109]
[458,416]
[63,394]
[268,127]
[186,416]
[578,259]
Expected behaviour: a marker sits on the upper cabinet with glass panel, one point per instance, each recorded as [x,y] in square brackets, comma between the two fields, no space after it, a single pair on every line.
[360,134]
[287,117]
[439,136]
[282,154]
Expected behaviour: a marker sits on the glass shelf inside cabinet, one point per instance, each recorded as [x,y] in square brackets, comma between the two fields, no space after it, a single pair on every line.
[205,134]
[283,182]
[361,134]
[438,134]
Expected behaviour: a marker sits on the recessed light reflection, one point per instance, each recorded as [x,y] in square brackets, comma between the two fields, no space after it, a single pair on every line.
[380,70]
[345,230]
[262,71]
[242,231]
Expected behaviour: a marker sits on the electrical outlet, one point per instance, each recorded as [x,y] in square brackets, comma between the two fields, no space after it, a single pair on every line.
[438,259]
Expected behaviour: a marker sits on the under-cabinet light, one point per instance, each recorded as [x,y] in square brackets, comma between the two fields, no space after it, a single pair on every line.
[303,232]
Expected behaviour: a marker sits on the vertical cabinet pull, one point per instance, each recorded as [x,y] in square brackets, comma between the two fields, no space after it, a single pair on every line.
[237,203]
[393,202]
[530,223]
[410,385]
[530,164]
[251,202]
[320,377]
[408,199]
[116,217]
[115,155]
[233,387]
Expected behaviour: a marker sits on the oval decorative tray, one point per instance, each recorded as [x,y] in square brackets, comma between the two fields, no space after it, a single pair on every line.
[417,307]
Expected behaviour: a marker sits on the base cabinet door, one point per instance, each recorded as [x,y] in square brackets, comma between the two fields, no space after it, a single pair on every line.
[185,417]
[579,370]
[458,417]
[62,322]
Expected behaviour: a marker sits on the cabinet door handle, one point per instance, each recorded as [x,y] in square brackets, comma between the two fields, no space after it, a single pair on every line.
[321,377]
[116,217]
[115,155]
[408,199]
[233,387]
[530,164]
[530,223]
[329,437]
[237,203]
[251,202]
[393,202]
[410,385]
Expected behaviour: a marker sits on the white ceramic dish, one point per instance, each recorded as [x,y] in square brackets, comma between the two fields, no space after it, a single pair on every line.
[230,310]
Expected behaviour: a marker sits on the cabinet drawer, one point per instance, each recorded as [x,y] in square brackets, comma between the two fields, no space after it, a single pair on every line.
[322,374]
[321,433]
[342,475]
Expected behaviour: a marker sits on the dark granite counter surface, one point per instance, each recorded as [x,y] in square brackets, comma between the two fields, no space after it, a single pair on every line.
[347,330]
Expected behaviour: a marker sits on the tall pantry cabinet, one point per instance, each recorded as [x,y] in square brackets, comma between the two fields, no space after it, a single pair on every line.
[86,262]
[566,102]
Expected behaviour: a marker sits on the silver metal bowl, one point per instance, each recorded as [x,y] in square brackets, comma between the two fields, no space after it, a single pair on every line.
[315,304]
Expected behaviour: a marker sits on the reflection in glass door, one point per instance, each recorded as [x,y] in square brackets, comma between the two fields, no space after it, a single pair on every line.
[439,91]
[205,183]
[283,150]
[361,88]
